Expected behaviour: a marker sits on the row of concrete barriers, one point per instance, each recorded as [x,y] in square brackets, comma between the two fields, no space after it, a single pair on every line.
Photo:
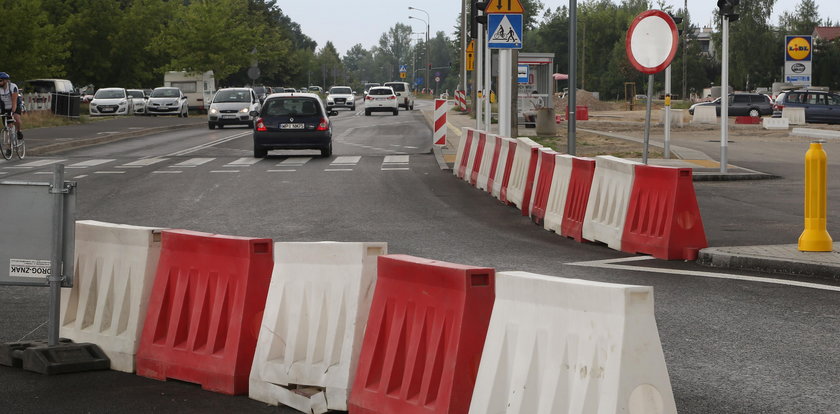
[627,205]
[789,116]
[346,326]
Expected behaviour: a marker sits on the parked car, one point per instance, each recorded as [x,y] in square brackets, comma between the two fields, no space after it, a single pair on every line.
[316,89]
[111,101]
[341,97]
[405,98]
[262,92]
[138,100]
[232,106]
[820,106]
[381,99]
[289,90]
[742,104]
[167,101]
[370,85]
[292,121]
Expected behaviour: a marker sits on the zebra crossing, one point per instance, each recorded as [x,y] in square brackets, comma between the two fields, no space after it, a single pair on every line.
[178,165]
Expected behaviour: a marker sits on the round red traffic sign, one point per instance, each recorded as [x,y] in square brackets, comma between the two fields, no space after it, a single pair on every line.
[652,41]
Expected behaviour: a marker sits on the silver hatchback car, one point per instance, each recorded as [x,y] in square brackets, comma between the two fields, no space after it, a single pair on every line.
[233,106]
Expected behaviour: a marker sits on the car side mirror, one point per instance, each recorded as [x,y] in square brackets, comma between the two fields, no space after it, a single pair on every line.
[255,113]
[183,97]
[332,113]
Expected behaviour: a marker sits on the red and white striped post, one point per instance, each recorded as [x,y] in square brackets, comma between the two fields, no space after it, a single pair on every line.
[461,100]
[441,107]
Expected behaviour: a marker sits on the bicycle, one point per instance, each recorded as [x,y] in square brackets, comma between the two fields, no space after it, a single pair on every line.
[9,141]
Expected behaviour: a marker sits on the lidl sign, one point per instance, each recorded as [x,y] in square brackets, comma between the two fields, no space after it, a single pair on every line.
[798,48]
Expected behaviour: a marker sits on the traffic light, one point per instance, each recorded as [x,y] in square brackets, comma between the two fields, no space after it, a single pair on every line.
[475,7]
[727,8]
[677,20]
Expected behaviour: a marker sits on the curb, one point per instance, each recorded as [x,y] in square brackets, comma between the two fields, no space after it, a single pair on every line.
[716,257]
[49,149]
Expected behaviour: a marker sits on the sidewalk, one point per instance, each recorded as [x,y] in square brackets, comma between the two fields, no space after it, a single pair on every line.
[781,259]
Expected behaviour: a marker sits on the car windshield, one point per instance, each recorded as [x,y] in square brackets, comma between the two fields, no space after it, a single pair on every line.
[165,93]
[291,90]
[343,91]
[381,91]
[232,96]
[135,94]
[109,94]
[291,107]
[397,87]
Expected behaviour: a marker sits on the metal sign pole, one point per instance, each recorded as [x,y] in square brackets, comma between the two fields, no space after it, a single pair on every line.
[488,85]
[56,275]
[505,93]
[479,75]
[572,96]
[647,118]
[724,95]
[667,152]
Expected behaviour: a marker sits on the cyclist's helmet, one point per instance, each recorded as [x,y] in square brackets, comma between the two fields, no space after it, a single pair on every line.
[4,75]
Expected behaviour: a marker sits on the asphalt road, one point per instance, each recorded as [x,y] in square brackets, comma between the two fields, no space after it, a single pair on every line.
[731,345]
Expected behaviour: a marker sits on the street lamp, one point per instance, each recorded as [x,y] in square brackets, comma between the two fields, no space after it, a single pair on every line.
[414,61]
[428,19]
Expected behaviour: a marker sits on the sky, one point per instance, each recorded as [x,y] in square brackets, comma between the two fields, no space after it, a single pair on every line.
[348,22]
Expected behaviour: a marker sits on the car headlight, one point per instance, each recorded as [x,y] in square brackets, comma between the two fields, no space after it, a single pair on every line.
[122,103]
[244,111]
[214,111]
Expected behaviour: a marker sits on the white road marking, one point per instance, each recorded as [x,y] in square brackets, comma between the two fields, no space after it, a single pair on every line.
[109,172]
[192,162]
[39,163]
[395,169]
[294,162]
[43,173]
[243,162]
[224,171]
[611,264]
[207,145]
[346,160]
[142,163]
[167,172]
[80,176]
[395,159]
[90,163]
[280,170]
[338,169]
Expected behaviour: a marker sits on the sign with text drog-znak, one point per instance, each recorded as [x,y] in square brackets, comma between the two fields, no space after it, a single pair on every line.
[652,41]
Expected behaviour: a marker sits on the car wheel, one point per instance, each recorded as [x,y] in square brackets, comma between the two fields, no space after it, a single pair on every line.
[251,124]
[396,112]
[367,113]
[754,113]
[326,151]
[353,108]
[221,126]
[260,152]
[412,106]
[211,125]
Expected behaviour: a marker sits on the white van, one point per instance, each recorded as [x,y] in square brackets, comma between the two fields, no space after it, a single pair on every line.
[198,87]
[405,97]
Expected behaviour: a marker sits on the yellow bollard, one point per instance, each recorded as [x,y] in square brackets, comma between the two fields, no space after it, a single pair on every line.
[815,237]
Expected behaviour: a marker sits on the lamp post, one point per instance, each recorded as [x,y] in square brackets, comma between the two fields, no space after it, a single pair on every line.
[414,62]
[428,19]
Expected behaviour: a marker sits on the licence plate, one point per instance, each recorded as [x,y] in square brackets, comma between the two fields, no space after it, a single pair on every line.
[291,126]
[228,116]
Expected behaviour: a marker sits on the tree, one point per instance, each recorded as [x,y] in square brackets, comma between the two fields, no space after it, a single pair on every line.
[39,48]
[802,21]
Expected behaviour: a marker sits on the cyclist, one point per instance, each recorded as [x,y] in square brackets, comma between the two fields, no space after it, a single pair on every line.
[9,102]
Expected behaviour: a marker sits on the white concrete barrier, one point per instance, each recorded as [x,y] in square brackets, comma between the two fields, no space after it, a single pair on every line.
[486,162]
[609,196]
[312,329]
[518,182]
[559,345]
[676,118]
[815,133]
[795,116]
[775,123]
[557,195]
[471,154]
[114,271]
[501,165]
[462,149]
[705,115]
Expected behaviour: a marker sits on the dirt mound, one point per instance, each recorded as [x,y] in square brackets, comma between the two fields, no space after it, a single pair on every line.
[584,98]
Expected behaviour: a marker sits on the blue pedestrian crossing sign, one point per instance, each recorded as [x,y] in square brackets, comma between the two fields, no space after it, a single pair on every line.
[505,31]
[403,68]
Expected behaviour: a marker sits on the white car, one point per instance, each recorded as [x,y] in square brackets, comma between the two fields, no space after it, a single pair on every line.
[381,99]
[233,106]
[341,97]
[138,99]
[167,101]
[111,101]
[404,94]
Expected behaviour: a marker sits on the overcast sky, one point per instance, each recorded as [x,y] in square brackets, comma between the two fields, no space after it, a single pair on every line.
[348,22]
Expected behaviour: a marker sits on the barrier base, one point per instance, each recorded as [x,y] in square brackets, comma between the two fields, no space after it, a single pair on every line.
[304,398]
[64,358]
[210,380]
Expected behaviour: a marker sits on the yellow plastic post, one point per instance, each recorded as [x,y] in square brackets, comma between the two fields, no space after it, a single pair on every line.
[815,237]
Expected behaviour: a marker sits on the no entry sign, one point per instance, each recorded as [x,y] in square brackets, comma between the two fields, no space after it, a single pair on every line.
[652,41]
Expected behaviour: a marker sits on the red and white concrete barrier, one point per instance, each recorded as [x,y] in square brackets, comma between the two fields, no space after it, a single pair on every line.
[441,106]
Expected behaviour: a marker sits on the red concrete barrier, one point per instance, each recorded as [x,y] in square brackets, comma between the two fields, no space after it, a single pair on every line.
[205,310]
[465,156]
[581,113]
[748,120]
[583,169]
[424,337]
[497,149]
[479,153]
[663,218]
[542,184]
[506,173]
